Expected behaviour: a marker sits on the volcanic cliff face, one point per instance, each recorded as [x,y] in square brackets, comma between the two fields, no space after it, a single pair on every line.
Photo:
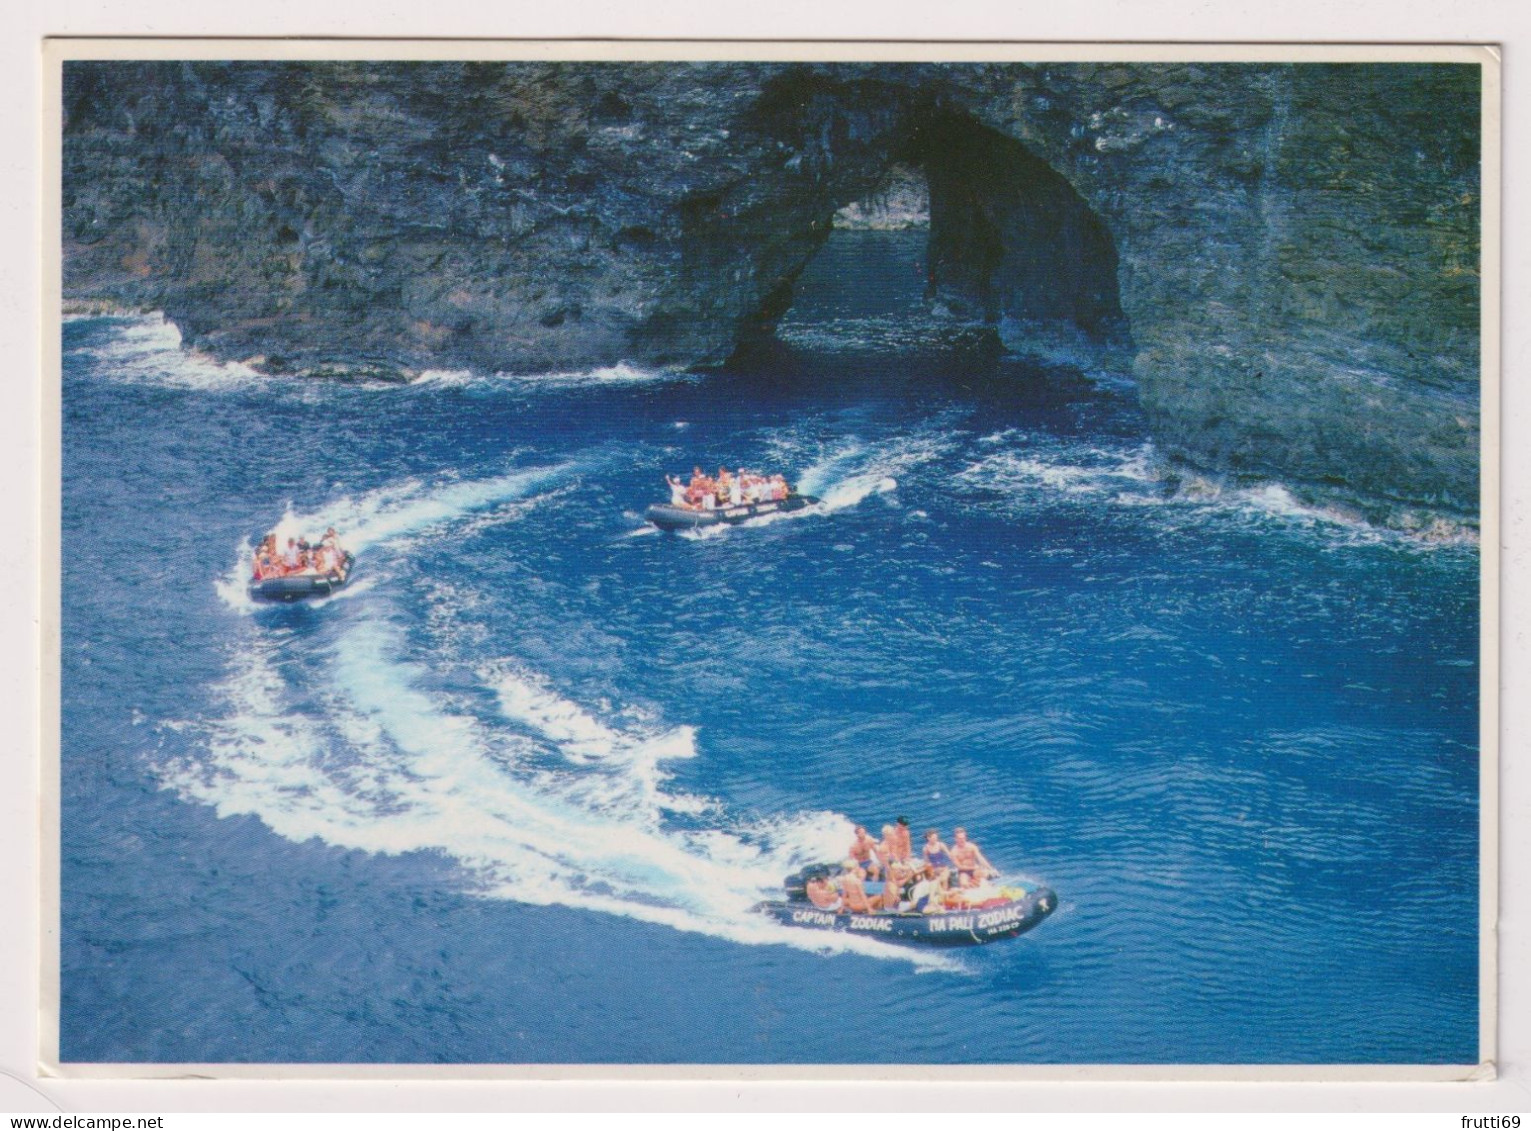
[1288,255]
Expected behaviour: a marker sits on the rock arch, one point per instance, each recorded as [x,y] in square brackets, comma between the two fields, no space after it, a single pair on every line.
[1291,252]
[1013,246]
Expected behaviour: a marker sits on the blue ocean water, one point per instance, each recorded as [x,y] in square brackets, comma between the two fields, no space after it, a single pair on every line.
[509,796]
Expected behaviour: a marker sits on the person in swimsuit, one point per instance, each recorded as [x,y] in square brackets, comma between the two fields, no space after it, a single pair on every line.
[905,847]
[887,847]
[852,891]
[864,851]
[822,894]
[934,851]
[972,865]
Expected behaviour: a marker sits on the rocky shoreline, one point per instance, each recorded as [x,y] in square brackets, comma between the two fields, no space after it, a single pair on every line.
[1287,254]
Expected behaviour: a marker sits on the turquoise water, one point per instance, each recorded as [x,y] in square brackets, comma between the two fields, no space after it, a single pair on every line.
[510,795]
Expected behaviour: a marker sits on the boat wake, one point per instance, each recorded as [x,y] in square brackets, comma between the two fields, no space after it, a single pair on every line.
[841,471]
[541,800]
[356,740]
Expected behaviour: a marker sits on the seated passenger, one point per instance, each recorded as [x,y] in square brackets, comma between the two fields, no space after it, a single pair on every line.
[677,491]
[929,894]
[934,851]
[972,865]
[822,894]
[864,852]
[896,886]
[852,893]
[292,557]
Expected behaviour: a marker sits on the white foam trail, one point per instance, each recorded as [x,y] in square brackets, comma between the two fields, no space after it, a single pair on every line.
[231,587]
[393,514]
[411,508]
[858,487]
[703,533]
[854,470]
[528,698]
[851,474]
[620,374]
[1029,466]
[851,459]
[384,766]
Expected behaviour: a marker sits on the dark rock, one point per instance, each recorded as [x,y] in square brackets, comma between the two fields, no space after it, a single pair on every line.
[1289,252]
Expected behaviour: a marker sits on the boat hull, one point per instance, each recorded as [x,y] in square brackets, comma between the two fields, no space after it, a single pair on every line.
[300,586]
[667,516]
[969,927]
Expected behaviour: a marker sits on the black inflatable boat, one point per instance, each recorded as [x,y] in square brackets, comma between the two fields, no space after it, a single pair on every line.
[298,586]
[668,516]
[1001,912]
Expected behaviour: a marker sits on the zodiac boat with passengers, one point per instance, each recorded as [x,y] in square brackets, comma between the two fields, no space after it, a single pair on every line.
[301,570]
[987,913]
[727,500]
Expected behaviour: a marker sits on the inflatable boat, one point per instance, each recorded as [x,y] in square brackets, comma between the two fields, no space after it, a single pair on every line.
[668,516]
[298,586]
[994,913]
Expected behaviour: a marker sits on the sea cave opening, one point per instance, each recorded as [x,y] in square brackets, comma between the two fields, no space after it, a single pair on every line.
[965,236]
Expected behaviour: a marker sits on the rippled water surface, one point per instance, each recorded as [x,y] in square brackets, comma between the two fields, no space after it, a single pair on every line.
[510,795]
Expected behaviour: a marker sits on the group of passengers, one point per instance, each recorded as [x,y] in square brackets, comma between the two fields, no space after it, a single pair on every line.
[325,558]
[727,489]
[938,879]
